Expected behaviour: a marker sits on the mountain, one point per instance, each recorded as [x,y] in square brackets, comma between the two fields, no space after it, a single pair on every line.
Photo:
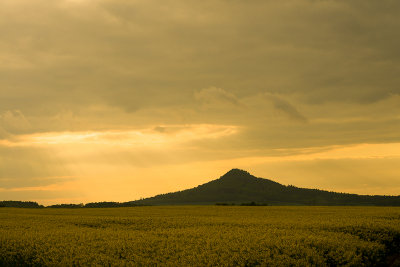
[238,186]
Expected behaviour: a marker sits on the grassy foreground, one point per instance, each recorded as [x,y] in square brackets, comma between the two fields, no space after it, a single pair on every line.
[200,235]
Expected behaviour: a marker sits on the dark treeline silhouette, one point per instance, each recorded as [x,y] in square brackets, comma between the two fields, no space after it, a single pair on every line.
[253,204]
[30,204]
[20,204]
[66,206]
[103,204]
[238,186]
[110,204]
[242,204]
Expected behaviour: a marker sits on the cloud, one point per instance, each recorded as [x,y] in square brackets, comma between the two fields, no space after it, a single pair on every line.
[156,57]
[13,121]
[30,166]
[154,136]
[217,96]
[3,133]
[286,108]
[43,194]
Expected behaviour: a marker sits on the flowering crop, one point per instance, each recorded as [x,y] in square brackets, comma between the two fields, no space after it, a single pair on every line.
[199,236]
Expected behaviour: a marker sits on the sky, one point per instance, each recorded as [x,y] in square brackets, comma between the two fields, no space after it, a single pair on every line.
[115,100]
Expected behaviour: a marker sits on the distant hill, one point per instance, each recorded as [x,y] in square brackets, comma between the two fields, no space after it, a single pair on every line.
[238,186]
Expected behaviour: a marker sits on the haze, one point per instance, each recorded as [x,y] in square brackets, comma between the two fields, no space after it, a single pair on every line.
[111,100]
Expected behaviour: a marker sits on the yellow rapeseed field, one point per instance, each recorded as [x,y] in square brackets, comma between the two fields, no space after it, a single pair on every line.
[200,236]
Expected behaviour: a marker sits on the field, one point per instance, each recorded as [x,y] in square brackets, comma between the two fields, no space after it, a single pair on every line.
[201,236]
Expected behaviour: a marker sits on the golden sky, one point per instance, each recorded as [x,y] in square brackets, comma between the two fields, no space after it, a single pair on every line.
[113,100]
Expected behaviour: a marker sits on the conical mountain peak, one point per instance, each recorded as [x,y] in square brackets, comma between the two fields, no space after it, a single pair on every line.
[238,171]
[239,186]
[237,174]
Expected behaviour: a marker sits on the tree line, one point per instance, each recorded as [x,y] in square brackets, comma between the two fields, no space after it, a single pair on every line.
[31,204]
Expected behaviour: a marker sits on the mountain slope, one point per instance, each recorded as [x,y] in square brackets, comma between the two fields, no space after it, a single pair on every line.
[238,186]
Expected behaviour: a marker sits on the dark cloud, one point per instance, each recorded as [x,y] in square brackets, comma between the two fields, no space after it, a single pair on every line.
[13,121]
[147,54]
[285,107]
[217,96]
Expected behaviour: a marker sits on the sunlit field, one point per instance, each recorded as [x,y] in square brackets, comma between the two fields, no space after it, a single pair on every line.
[200,236]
